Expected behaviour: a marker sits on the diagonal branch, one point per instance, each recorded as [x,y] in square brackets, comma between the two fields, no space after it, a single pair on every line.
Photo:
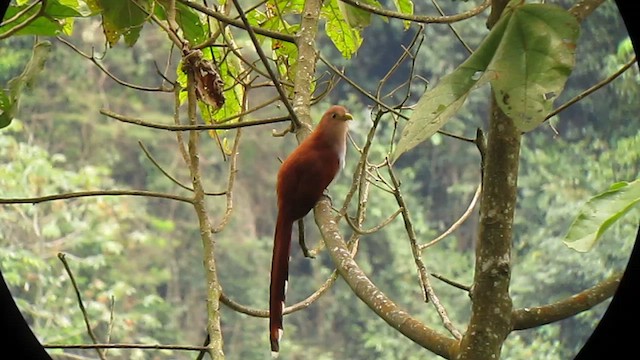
[95,61]
[593,88]
[367,291]
[85,316]
[168,176]
[429,294]
[458,222]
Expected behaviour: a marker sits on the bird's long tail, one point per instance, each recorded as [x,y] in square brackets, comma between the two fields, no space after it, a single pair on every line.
[279,278]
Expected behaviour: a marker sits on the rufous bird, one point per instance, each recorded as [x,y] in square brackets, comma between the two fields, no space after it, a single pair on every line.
[302,179]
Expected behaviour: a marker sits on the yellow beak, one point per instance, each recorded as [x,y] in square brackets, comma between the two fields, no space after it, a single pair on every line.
[348,116]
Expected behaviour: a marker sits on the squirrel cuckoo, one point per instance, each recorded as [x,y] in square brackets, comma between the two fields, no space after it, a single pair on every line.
[302,179]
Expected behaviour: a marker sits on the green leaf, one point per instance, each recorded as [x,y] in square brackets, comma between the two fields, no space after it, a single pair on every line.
[346,39]
[286,56]
[122,19]
[192,25]
[287,6]
[357,18]
[67,8]
[600,212]
[526,57]
[405,7]
[532,63]
[43,26]
[10,98]
[439,104]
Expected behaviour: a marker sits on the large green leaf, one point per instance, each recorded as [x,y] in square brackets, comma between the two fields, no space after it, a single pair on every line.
[10,97]
[440,103]
[41,25]
[526,57]
[57,17]
[532,63]
[600,212]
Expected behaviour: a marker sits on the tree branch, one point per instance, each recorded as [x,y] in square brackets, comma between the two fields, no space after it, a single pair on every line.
[237,23]
[79,194]
[491,307]
[198,127]
[83,310]
[126,346]
[592,88]
[367,291]
[208,244]
[93,59]
[429,294]
[306,67]
[424,19]
[530,317]
[458,222]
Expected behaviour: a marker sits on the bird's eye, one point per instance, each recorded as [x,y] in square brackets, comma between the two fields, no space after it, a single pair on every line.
[333,115]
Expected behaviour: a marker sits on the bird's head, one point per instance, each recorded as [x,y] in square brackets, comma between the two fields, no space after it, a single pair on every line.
[338,113]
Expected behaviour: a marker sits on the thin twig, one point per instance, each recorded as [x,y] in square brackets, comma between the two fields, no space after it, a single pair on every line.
[173,179]
[458,222]
[79,194]
[95,61]
[592,89]
[455,32]
[233,170]
[429,294]
[287,310]
[425,19]
[405,53]
[360,88]
[199,127]
[451,282]
[265,61]
[374,229]
[378,102]
[303,304]
[125,346]
[85,316]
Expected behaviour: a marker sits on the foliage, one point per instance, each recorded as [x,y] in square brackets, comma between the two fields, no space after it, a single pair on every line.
[10,98]
[600,212]
[98,235]
[526,57]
